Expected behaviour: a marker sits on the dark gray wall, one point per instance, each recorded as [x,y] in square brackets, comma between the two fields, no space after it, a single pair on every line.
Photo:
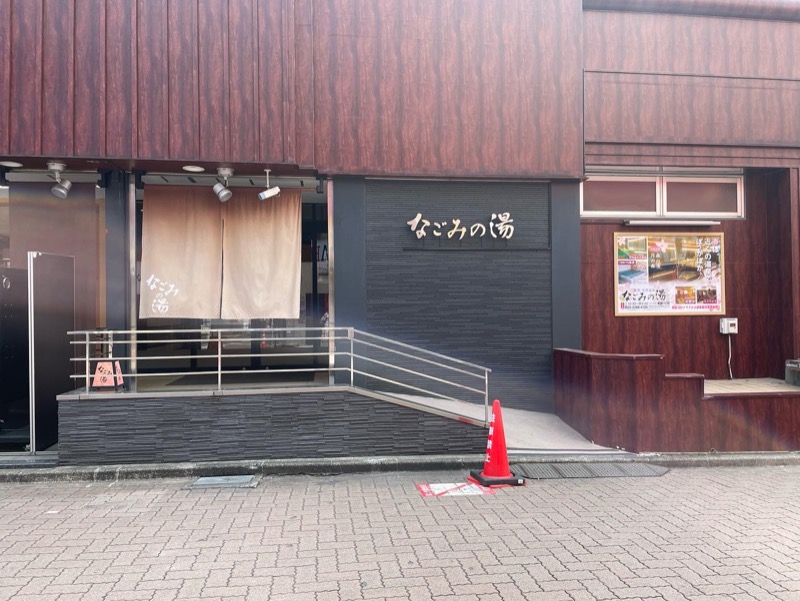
[349,292]
[483,300]
[117,296]
[565,209]
[128,429]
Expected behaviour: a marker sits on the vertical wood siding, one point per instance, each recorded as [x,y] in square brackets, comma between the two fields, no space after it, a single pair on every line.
[183,79]
[90,78]
[121,102]
[58,72]
[271,42]
[453,87]
[5,74]
[26,78]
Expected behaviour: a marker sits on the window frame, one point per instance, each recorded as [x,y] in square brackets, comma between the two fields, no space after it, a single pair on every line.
[738,214]
[662,201]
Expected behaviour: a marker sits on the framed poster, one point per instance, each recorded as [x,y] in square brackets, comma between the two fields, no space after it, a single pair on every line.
[669,274]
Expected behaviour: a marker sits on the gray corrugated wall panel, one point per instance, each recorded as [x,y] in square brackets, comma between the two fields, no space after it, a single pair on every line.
[349,271]
[208,428]
[482,300]
[567,256]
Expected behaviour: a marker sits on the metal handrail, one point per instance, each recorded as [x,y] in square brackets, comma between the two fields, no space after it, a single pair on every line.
[413,373]
[423,350]
[410,356]
[348,351]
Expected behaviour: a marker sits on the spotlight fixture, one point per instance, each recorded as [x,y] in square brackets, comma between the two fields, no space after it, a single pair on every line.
[221,190]
[63,186]
[3,180]
[269,192]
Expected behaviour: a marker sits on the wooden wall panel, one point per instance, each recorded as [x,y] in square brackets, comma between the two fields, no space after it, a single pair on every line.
[672,79]
[629,402]
[783,236]
[212,38]
[373,87]
[690,155]
[152,48]
[458,73]
[243,76]
[58,70]
[693,343]
[673,109]
[5,71]
[271,79]
[301,134]
[26,78]
[122,81]
[90,78]
[183,80]
[672,44]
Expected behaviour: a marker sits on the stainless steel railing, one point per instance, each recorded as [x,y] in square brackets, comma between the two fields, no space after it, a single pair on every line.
[233,358]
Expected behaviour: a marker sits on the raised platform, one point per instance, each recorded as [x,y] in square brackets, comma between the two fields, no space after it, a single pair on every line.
[629,402]
[748,386]
[234,425]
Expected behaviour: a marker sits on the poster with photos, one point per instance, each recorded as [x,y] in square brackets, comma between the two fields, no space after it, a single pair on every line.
[669,274]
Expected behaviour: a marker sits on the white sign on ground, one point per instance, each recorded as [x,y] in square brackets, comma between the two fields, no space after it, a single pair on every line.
[451,489]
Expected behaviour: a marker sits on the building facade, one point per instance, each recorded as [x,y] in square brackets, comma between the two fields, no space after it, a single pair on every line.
[444,155]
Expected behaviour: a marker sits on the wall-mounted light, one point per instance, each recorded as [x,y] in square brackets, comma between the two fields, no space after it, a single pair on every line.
[63,186]
[269,192]
[221,190]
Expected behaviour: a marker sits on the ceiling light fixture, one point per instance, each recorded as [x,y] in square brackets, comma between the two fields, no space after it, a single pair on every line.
[221,190]
[11,164]
[63,186]
[193,168]
[269,192]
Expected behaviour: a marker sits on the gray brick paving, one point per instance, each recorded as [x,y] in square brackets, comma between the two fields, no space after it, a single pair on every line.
[709,533]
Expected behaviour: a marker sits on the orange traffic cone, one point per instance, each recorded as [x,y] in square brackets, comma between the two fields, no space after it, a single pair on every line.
[495,469]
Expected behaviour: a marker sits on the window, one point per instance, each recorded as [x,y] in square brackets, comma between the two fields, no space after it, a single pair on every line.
[676,196]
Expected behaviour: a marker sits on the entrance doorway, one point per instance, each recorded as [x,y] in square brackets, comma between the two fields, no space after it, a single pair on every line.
[37,310]
[255,344]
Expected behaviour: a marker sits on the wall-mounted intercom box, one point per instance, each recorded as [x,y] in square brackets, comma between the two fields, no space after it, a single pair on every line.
[729,325]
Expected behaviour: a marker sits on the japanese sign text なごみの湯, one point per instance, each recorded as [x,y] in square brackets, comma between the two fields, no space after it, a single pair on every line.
[669,274]
[500,225]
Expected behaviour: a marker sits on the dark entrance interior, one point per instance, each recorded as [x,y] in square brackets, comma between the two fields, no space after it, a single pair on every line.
[201,354]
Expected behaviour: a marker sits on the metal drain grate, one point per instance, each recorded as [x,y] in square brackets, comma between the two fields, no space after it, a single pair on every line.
[542,471]
[225,482]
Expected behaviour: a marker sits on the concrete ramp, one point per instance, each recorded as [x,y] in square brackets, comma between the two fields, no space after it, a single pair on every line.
[527,432]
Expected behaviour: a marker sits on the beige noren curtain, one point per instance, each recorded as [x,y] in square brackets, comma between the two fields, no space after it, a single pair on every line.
[261,256]
[181,253]
[202,259]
